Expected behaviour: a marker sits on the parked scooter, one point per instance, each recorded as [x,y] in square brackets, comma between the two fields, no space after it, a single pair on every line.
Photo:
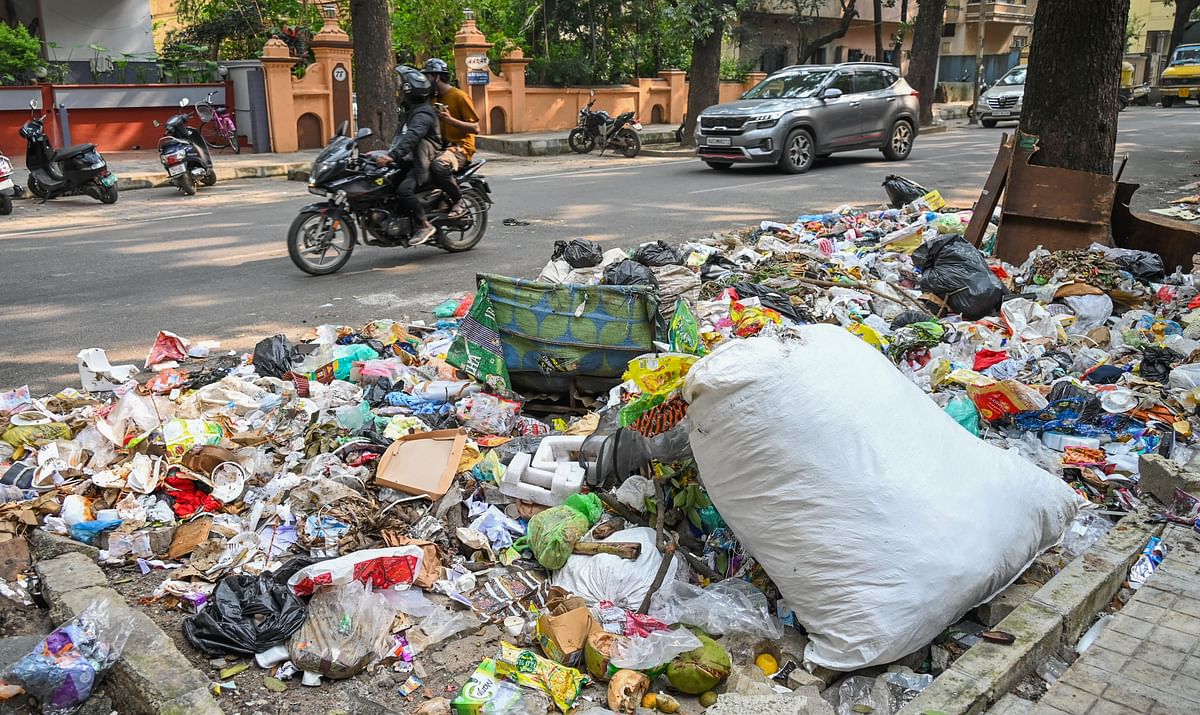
[184,154]
[595,128]
[71,171]
[7,188]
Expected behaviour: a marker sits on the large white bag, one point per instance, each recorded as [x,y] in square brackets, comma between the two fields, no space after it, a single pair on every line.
[880,519]
[607,577]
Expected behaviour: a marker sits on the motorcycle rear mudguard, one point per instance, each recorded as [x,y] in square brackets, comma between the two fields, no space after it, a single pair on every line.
[332,209]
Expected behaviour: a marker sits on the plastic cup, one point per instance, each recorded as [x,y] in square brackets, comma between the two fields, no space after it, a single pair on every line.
[514,625]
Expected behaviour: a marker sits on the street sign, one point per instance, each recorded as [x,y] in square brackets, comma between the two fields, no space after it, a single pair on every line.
[478,77]
[477,62]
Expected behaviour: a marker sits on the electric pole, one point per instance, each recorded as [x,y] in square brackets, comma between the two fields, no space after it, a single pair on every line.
[982,20]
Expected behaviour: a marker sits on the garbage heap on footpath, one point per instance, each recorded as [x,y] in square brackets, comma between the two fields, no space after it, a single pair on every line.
[652,467]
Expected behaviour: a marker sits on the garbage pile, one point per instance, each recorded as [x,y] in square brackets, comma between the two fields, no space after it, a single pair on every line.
[648,467]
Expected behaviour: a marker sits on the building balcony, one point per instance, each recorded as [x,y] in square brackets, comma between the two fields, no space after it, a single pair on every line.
[1012,13]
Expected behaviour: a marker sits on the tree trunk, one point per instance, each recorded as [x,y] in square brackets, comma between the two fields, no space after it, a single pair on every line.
[704,86]
[898,46]
[927,40]
[878,9]
[849,12]
[373,74]
[1183,14]
[1083,64]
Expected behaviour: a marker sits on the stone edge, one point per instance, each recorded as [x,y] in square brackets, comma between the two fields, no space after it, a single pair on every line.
[1058,613]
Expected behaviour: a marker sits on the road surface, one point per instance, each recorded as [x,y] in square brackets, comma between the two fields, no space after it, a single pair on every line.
[77,274]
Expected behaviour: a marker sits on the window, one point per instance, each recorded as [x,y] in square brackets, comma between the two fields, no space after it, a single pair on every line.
[1019,42]
[1015,77]
[873,80]
[854,56]
[844,81]
[787,86]
[948,29]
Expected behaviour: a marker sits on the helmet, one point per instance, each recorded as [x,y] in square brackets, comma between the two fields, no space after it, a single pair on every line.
[414,86]
[435,65]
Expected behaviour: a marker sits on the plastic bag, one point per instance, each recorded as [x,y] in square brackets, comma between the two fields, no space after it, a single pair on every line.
[1091,311]
[902,191]
[774,300]
[552,534]
[644,653]
[1185,377]
[887,463]
[1156,363]
[1144,265]
[629,273]
[379,568]
[62,670]
[657,253]
[348,626]
[725,607]
[274,356]
[487,414]
[477,349]
[958,272]
[578,253]
[563,684]
[606,577]
[167,347]
[443,623]
[244,616]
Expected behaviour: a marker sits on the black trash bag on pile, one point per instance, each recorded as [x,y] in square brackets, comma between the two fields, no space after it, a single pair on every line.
[1156,363]
[909,317]
[1144,265]
[246,615]
[657,254]
[774,300]
[578,253]
[629,273]
[377,391]
[957,272]
[716,267]
[902,191]
[274,356]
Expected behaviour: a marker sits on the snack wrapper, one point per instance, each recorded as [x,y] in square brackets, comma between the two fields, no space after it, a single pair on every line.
[563,684]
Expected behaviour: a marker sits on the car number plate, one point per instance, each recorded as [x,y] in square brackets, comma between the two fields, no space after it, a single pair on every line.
[6,184]
[1185,93]
[1002,113]
[719,141]
[176,170]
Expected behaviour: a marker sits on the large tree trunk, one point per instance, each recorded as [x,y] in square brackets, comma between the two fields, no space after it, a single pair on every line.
[922,68]
[374,80]
[898,46]
[704,86]
[1084,65]
[849,12]
[1183,13]
[878,9]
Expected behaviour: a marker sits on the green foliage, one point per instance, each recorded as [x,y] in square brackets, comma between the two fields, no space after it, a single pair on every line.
[238,29]
[426,29]
[734,70]
[20,55]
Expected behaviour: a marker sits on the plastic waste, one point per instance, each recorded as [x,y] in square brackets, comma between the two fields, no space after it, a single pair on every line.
[645,653]
[552,534]
[1052,669]
[607,577]
[246,615]
[274,356]
[963,410]
[378,568]
[1085,530]
[657,253]
[578,253]
[902,191]
[905,687]
[1152,555]
[348,626]
[443,623]
[854,695]
[725,607]
[956,271]
[629,273]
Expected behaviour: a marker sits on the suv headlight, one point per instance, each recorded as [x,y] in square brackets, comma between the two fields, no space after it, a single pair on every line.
[766,119]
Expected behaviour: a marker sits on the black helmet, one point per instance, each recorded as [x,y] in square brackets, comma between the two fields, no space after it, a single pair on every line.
[435,65]
[414,86]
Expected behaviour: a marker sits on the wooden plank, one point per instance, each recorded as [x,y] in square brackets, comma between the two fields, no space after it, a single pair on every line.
[990,197]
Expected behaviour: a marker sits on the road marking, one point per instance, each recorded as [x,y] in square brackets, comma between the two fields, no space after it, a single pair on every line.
[586,172]
[741,186]
[79,227]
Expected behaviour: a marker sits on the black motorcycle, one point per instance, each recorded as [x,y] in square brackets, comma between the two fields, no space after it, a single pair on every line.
[72,171]
[598,128]
[362,195]
[184,153]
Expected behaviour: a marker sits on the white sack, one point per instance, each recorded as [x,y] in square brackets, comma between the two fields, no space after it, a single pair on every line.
[605,577]
[880,519]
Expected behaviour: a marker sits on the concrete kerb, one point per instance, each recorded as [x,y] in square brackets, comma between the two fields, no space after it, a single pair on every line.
[151,675]
[155,179]
[1057,614]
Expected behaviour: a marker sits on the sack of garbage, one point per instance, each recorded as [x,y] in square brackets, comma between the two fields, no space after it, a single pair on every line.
[274,356]
[348,626]
[657,253]
[957,271]
[607,577]
[578,253]
[629,273]
[552,534]
[902,191]
[881,520]
[246,615]
[62,670]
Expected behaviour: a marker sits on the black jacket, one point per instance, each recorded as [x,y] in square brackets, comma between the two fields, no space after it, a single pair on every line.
[422,123]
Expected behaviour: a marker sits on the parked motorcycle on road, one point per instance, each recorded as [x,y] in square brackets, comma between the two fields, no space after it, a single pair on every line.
[361,195]
[598,128]
[70,171]
[184,154]
[7,188]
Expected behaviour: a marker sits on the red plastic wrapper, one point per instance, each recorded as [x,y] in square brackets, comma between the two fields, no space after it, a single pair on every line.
[167,346]
[377,568]
[167,380]
[188,497]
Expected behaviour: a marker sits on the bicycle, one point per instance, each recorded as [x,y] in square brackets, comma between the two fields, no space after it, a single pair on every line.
[217,128]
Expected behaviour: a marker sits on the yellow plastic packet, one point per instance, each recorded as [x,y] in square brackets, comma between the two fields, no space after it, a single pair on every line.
[562,683]
[659,374]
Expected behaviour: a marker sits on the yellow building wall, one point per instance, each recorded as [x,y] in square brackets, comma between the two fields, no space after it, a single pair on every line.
[162,15]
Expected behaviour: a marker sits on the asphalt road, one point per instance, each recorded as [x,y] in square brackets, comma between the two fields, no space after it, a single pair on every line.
[76,274]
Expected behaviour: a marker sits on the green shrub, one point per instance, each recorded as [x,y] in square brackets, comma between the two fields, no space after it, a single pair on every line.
[20,55]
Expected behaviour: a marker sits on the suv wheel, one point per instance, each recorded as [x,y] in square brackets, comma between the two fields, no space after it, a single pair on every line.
[899,142]
[799,152]
[989,123]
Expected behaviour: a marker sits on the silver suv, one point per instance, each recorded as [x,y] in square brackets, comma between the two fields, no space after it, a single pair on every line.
[807,112]
[1004,100]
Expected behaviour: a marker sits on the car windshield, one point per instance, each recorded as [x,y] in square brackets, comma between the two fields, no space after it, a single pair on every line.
[1186,56]
[788,86]
[1014,77]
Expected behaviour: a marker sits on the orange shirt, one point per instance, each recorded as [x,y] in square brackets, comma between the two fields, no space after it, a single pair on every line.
[463,109]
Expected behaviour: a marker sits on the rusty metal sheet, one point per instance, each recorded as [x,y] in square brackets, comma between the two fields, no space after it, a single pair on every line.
[1176,241]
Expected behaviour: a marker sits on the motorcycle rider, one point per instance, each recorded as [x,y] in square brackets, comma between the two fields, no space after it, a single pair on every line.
[460,124]
[418,140]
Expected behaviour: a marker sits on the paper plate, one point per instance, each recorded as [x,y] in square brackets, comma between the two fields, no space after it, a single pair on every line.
[228,480]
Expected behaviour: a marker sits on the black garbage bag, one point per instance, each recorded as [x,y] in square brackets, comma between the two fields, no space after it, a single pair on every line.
[1144,265]
[377,391]
[629,273]
[957,272]
[716,267]
[909,317]
[274,356]
[657,253]
[902,191]
[578,253]
[1156,363]
[771,299]
[246,615]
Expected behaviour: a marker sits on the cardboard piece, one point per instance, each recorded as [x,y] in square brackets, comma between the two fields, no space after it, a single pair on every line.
[14,558]
[562,637]
[188,537]
[422,464]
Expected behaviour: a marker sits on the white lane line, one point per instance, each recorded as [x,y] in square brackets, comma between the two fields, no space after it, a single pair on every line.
[586,172]
[742,186]
[78,227]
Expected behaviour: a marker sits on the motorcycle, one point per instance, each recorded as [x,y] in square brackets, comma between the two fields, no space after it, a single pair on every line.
[184,153]
[361,195]
[7,188]
[597,127]
[70,171]
[1136,94]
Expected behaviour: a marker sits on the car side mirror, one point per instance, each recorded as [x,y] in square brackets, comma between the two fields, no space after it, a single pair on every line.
[831,93]
[184,102]
[363,133]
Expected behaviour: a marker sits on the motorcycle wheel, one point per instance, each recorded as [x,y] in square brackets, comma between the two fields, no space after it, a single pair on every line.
[465,233]
[109,194]
[36,188]
[210,179]
[5,205]
[311,238]
[630,143]
[186,184]
[580,142]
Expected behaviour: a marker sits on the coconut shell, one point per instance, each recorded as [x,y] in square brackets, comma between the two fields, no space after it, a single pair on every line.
[700,669]
[596,653]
